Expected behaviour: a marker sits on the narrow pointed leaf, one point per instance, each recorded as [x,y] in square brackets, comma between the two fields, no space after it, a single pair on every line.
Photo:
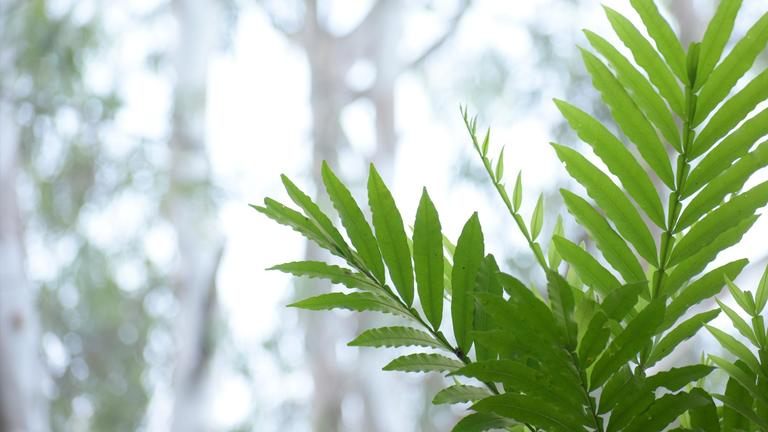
[738,322]
[594,340]
[733,111]
[562,303]
[423,363]
[466,263]
[481,422]
[537,218]
[686,330]
[761,295]
[629,117]
[665,410]
[617,158]
[354,222]
[590,271]
[486,282]
[705,287]
[733,67]
[729,181]
[747,380]
[665,38]
[715,38]
[391,236]
[613,247]
[719,221]
[314,212]
[648,59]
[675,379]
[620,304]
[395,337]
[731,148]
[529,410]
[705,418]
[736,348]
[615,204]
[336,274]
[428,260]
[517,193]
[300,223]
[628,343]
[459,394]
[357,301]
[742,407]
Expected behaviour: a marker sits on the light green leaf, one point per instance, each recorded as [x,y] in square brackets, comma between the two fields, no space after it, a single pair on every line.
[354,222]
[617,158]
[736,348]
[665,38]
[686,330]
[537,218]
[718,221]
[530,410]
[613,247]
[499,172]
[428,260]
[648,59]
[562,304]
[629,117]
[733,67]
[356,301]
[744,299]
[620,303]
[761,295]
[705,287]
[715,38]
[741,376]
[517,193]
[590,271]
[665,410]
[615,204]
[738,322]
[395,337]
[694,265]
[733,111]
[729,181]
[336,274]
[315,214]
[300,223]
[423,363]
[732,147]
[628,343]
[553,256]
[466,263]
[644,95]
[391,235]
[460,393]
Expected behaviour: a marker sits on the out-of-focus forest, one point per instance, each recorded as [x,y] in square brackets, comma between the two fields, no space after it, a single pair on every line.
[133,134]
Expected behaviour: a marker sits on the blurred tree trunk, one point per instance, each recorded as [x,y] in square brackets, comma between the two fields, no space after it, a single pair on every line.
[23,405]
[192,212]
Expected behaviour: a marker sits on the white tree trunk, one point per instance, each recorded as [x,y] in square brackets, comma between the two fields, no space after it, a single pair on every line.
[23,376]
[192,212]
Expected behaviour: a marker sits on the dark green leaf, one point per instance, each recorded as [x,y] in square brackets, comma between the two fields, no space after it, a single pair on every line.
[423,363]
[481,422]
[621,302]
[665,38]
[628,343]
[466,263]
[648,59]
[354,222]
[594,340]
[733,67]
[336,274]
[529,410]
[705,287]
[562,304]
[614,248]
[615,204]
[715,38]
[744,378]
[742,407]
[487,282]
[676,378]
[736,348]
[629,117]
[391,235]
[428,260]
[686,330]
[460,393]
[733,111]
[665,410]
[395,337]
[705,418]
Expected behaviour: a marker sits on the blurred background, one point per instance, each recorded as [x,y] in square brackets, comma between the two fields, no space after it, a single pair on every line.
[133,134]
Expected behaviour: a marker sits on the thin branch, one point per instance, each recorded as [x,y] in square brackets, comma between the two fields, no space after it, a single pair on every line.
[451,28]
